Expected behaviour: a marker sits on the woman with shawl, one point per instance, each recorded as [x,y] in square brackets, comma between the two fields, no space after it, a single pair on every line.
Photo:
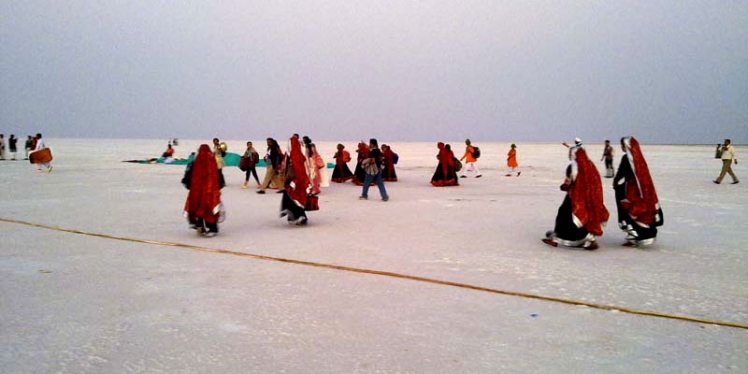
[388,164]
[203,204]
[360,173]
[582,215]
[296,186]
[312,169]
[445,174]
[341,173]
[639,212]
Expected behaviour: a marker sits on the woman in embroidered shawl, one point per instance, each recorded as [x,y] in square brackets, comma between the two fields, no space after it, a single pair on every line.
[311,165]
[360,173]
[582,215]
[639,212]
[203,204]
[297,185]
[445,174]
[388,164]
[341,173]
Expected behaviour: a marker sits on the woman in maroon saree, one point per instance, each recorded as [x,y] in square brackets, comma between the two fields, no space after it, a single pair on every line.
[388,164]
[297,186]
[341,173]
[203,204]
[445,174]
[360,173]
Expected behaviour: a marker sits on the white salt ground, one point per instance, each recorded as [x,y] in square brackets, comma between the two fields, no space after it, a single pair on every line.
[74,303]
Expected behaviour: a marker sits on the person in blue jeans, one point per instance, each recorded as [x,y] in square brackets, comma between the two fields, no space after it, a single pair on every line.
[375,156]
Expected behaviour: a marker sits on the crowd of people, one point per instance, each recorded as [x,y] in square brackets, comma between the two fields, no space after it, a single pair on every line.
[300,172]
[32,143]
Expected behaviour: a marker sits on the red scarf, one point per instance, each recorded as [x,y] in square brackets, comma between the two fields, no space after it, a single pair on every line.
[297,192]
[640,190]
[204,198]
[587,195]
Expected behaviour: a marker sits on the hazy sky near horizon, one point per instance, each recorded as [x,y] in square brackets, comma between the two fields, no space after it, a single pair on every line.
[521,71]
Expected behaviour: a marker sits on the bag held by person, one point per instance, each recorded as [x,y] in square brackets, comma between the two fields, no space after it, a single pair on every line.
[312,203]
[319,162]
[243,163]
[476,153]
[371,168]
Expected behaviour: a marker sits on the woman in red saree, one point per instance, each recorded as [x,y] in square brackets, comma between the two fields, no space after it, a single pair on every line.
[445,174]
[203,204]
[341,173]
[360,173]
[388,164]
[639,212]
[297,186]
[582,215]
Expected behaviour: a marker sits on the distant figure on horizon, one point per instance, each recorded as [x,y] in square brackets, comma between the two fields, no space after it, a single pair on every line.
[28,146]
[718,151]
[511,161]
[639,212]
[39,145]
[582,214]
[13,146]
[470,157]
[608,157]
[252,157]
[341,173]
[203,205]
[2,147]
[389,159]
[375,160]
[445,174]
[169,152]
[727,155]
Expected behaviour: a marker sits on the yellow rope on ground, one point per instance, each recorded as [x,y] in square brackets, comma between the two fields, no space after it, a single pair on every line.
[391,274]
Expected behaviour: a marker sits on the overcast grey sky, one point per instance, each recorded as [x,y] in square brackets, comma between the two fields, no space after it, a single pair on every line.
[521,71]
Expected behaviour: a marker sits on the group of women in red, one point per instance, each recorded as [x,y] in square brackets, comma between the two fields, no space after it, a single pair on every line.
[579,220]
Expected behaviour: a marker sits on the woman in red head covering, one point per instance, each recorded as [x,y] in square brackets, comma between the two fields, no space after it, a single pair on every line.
[297,186]
[203,204]
[388,164]
[445,174]
[582,215]
[639,212]
[341,173]
[360,172]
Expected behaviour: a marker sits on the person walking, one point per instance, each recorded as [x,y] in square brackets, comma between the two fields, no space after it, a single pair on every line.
[38,147]
[2,147]
[582,215]
[274,161]
[639,212]
[219,151]
[296,187]
[203,205]
[252,157]
[608,158]
[470,158]
[511,161]
[28,146]
[13,146]
[374,157]
[341,173]
[728,156]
